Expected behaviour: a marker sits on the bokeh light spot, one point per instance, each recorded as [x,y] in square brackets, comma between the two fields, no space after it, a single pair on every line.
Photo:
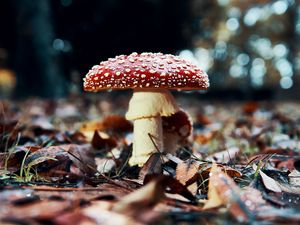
[286,82]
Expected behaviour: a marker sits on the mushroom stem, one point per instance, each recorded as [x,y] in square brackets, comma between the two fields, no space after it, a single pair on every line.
[143,146]
[146,108]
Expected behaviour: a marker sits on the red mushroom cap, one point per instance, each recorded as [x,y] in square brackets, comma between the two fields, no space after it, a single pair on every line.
[146,70]
[179,123]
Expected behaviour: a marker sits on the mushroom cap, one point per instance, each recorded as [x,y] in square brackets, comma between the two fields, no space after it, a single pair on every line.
[146,70]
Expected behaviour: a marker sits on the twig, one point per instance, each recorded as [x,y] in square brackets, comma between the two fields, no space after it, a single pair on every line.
[96,171]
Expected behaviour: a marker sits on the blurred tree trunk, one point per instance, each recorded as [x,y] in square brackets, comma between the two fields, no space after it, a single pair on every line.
[293,37]
[37,63]
[295,49]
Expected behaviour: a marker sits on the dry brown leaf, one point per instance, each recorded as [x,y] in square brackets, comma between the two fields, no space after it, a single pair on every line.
[100,212]
[187,172]
[222,190]
[250,107]
[59,156]
[74,218]
[139,204]
[142,199]
[204,138]
[152,166]
[116,123]
[214,199]
[224,156]
[91,126]
[173,186]
[103,141]
[13,159]
[46,209]
[202,119]
[57,153]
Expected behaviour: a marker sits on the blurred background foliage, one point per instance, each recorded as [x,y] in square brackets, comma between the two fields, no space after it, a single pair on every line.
[250,48]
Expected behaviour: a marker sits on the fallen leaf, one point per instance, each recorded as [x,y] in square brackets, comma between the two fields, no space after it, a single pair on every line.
[104,165]
[74,218]
[152,166]
[42,210]
[204,138]
[202,119]
[294,177]
[103,215]
[116,123]
[112,123]
[289,188]
[7,127]
[250,107]
[269,183]
[214,199]
[103,141]
[142,199]
[222,190]
[172,185]
[224,156]
[59,157]
[187,172]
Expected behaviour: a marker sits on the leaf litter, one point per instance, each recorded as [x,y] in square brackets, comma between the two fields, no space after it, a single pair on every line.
[66,162]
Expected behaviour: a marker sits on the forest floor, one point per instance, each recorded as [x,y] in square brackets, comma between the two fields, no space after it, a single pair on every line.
[65,162]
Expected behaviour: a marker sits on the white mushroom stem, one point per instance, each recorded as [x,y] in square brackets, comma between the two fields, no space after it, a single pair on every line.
[146,108]
[143,146]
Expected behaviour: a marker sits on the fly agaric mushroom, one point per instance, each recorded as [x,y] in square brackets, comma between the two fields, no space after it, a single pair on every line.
[150,75]
[176,129]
